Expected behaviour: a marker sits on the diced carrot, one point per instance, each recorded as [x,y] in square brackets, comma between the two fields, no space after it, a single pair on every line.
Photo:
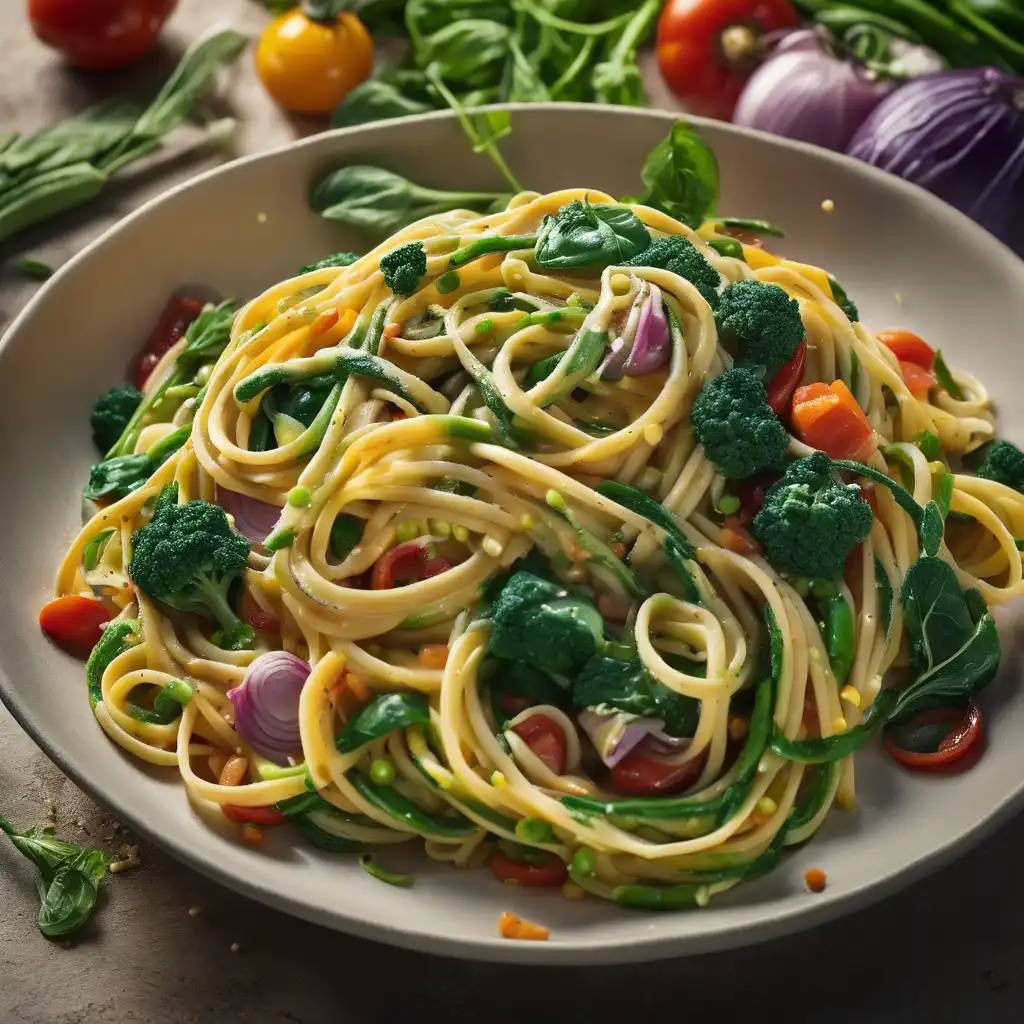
[917,378]
[512,926]
[357,684]
[815,879]
[324,322]
[827,417]
[433,655]
[617,548]
[736,537]
[252,836]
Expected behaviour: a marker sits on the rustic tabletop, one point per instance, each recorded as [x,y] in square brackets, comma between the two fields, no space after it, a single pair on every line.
[171,947]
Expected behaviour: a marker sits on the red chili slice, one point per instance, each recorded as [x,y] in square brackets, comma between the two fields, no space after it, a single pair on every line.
[961,730]
[781,387]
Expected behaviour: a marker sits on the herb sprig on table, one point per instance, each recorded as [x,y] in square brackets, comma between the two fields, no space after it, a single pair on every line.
[69,164]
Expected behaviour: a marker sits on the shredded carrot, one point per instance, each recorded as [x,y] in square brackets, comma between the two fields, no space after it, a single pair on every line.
[512,926]
[324,322]
[234,771]
[252,836]
[618,549]
[433,655]
[357,684]
[392,330]
[815,879]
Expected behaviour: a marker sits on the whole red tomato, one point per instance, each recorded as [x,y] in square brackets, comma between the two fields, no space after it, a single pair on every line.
[707,49]
[100,35]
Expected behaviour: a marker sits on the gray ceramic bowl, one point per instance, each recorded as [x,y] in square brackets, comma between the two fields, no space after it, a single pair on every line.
[908,260]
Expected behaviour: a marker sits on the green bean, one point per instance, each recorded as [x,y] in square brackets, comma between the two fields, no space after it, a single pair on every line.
[47,194]
[839,635]
[833,748]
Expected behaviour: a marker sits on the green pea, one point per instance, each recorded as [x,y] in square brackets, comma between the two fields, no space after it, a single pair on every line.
[535,830]
[728,505]
[584,862]
[382,772]
[448,282]
[727,247]
[299,497]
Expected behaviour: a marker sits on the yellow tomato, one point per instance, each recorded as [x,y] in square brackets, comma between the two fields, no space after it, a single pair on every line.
[309,66]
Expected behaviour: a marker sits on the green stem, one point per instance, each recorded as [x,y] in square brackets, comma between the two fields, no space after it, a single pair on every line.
[597,28]
[581,61]
[636,31]
[485,246]
[833,748]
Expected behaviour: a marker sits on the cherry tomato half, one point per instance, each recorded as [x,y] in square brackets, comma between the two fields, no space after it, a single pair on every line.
[308,66]
[639,774]
[547,873]
[707,49]
[74,620]
[544,736]
[100,35]
[916,377]
[954,732]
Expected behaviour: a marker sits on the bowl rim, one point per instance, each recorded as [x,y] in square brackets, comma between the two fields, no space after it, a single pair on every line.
[662,941]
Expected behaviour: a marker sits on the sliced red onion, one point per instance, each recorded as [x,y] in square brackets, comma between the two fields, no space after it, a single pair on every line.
[653,344]
[621,346]
[616,733]
[267,705]
[254,519]
[959,134]
[807,92]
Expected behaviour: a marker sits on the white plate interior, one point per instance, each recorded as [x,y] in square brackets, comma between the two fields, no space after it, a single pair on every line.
[907,260]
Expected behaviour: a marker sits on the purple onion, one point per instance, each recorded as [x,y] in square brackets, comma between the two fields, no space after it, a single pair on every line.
[653,344]
[615,734]
[254,519]
[807,92]
[959,134]
[267,705]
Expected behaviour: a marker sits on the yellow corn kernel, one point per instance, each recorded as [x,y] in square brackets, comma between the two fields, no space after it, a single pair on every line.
[850,695]
[766,806]
[526,521]
[738,728]
[492,547]
[653,434]
[839,724]
[572,891]
[498,780]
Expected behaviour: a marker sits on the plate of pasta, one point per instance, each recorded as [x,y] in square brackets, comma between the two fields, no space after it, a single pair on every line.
[640,534]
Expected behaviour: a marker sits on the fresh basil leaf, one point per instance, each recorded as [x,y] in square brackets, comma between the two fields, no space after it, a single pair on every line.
[384,715]
[681,177]
[521,679]
[931,528]
[375,100]
[955,646]
[68,901]
[346,533]
[627,686]
[522,82]
[470,52]
[585,237]
[424,18]
[618,82]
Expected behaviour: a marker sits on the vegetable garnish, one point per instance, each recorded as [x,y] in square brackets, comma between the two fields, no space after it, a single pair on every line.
[565,531]
[70,163]
[512,926]
[69,878]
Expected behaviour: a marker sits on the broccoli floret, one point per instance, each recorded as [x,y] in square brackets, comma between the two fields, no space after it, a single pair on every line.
[541,623]
[1004,463]
[811,520]
[763,322]
[733,421]
[110,415]
[337,259]
[680,256]
[188,557]
[403,267]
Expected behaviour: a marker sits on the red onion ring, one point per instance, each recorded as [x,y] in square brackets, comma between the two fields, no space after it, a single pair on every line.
[267,705]
[254,519]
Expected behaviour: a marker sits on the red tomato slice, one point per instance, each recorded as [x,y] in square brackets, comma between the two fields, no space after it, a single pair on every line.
[174,321]
[917,378]
[252,815]
[908,347]
[544,736]
[516,872]
[965,734]
[409,562]
[639,774]
[708,48]
[781,387]
[74,620]
[249,611]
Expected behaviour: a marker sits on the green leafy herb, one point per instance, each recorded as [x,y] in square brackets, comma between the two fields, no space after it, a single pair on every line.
[375,100]
[117,638]
[35,269]
[68,881]
[618,78]
[758,227]
[346,533]
[945,378]
[585,237]
[680,177]
[384,715]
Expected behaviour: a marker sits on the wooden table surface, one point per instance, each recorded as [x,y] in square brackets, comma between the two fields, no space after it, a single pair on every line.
[947,949]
